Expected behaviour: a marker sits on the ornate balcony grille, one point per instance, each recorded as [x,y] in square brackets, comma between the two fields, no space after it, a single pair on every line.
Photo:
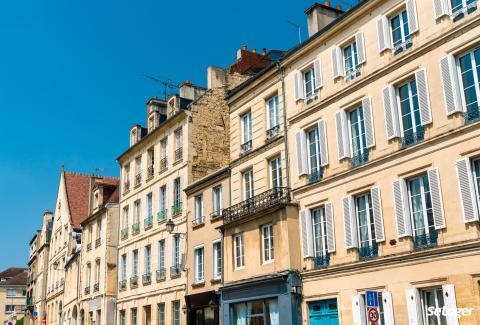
[179,154]
[150,171]
[87,290]
[138,179]
[124,233]
[273,132]
[315,176]
[122,285]
[161,274]
[135,228]
[426,240]
[96,287]
[359,159]
[321,261]
[162,215]
[400,47]
[352,74]
[147,278]
[89,247]
[98,242]
[461,11]
[175,271]
[368,251]
[246,146]
[198,221]
[148,222]
[163,164]
[176,209]
[257,204]
[126,186]
[134,282]
[472,116]
[410,138]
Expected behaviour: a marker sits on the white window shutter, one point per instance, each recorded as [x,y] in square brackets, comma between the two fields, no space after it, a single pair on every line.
[358,310]
[402,209]
[441,8]
[330,227]
[467,190]
[301,143]
[307,233]
[436,195]
[322,136]
[391,113]
[414,307]
[349,221]
[423,96]
[388,308]
[368,118]
[377,214]
[412,16]
[337,62]
[340,141]
[361,51]
[450,302]
[384,37]
[298,78]
[346,134]
[317,67]
[451,88]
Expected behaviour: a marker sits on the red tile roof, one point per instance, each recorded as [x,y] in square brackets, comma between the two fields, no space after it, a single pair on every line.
[11,272]
[19,279]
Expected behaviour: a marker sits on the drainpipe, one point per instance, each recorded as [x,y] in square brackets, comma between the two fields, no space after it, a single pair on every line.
[281,72]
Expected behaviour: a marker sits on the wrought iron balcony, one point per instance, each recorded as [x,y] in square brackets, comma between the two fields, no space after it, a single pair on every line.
[198,221]
[269,199]
[124,233]
[148,222]
[359,158]
[402,46]
[147,278]
[87,290]
[352,73]
[163,164]
[98,242]
[126,186]
[315,175]
[215,214]
[246,146]
[472,116]
[122,285]
[426,240]
[150,171]
[162,215]
[134,282]
[89,247]
[321,261]
[273,132]
[178,154]
[175,271]
[410,138]
[135,228]
[161,274]
[96,287]
[138,179]
[461,10]
[368,251]
[176,209]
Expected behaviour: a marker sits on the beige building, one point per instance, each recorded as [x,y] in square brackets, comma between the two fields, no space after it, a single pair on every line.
[33,270]
[13,294]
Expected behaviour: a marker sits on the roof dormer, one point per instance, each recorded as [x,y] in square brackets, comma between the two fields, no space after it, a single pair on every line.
[135,134]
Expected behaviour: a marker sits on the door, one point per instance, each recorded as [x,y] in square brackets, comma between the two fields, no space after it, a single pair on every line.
[323,312]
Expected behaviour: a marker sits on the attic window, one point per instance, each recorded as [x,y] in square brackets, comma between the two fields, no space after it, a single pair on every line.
[96,199]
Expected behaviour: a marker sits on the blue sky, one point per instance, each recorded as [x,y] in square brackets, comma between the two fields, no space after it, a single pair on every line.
[71,83]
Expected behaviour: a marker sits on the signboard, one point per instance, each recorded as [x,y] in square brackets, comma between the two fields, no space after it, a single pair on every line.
[35,315]
[372,298]
[373,315]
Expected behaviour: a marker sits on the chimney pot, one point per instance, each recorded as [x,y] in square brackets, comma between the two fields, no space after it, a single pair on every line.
[244,47]
[264,51]
[327,3]
[254,50]
[187,82]
[339,7]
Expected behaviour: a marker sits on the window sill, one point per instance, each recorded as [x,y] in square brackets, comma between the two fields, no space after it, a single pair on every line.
[198,284]
[216,280]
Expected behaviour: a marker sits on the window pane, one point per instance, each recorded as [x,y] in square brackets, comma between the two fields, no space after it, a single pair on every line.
[313,147]
[468,82]
[357,127]
[319,231]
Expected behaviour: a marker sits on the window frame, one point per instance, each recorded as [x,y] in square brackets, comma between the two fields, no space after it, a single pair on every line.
[476,184]
[162,198]
[217,259]
[176,312]
[147,260]
[199,213]
[437,291]
[323,227]
[135,263]
[161,310]
[267,240]
[370,219]
[218,200]
[250,188]
[275,166]
[276,116]
[415,128]
[354,72]
[238,258]
[405,38]
[162,249]
[317,148]
[149,205]
[427,226]
[199,264]
[362,130]
[310,70]
[123,267]
[476,77]
[246,127]
[177,191]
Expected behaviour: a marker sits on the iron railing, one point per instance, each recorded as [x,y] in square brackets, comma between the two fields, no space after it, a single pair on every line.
[89,247]
[148,222]
[161,274]
[124,233]
[471,116]
[368,251]
[410,138]
[461,10]
[352,73]
[87,290]
[96,287]
[198,221]
[426,240]
[134,282]
[321,261]
[178,154]
[122,285]
[147,278]
[359,158]
[273,132]
[175,271]
[138,179]
[402,46]
[176,209]
[98,242]
[257,204]
[126,186]
[150,171]
[215,214]
[162,215]
[315,176]
[163,164]
[135,228]
[246,146]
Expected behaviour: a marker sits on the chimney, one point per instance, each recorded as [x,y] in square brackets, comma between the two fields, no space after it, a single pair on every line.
[264,51]
[320,15]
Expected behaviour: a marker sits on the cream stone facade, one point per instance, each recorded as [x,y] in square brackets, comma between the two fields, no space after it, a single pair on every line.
[33,269]
[13,295]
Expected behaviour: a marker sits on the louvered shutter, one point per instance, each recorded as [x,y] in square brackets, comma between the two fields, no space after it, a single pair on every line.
[340,141]
[451,90]
[436,195]
[349,221]
[414,307]
[412,16]
[330,227]
[317,66]
[467,190]
[301,143]
[384,37]
[299,93]
[322,136]
[391,113]
[402,209]
[388,308]
[368,118]
[450,302]
[361,51]
[358,310]
[377,214]
[423,96]
[307,233]
[441,8]
[337,62]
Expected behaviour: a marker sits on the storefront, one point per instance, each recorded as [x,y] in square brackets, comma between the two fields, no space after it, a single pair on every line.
[263,301]
[203,308]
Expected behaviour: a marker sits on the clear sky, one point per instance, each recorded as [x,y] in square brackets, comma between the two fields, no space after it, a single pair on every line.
[71,83]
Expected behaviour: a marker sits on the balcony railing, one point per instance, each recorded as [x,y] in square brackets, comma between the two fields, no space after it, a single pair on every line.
[426,240]
[368,251]
[124,233]
[163,164]
[150,171]
[122,285]
[246,146]
[138,179]
[178,154]
[96,287]
[273,132]
[315,176]
[134,282]
[126,186]
[98,242]
[135,228]
[148,222]
[89,247]
[29,301]
[87,290]
[359,158]
[257,204]
[147,278]
[402,46]
[176,209]
[162,215]
[321,261]
[161,274]
[461,10]
[175,271]
[215,214]
[410,138]
[198,221]
[353,73]
[471,116]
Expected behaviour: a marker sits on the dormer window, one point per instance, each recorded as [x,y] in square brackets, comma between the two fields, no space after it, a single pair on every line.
[96,199]
[151,123]
[133,137]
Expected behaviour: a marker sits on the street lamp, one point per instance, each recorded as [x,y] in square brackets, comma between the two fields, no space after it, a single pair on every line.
[169,226]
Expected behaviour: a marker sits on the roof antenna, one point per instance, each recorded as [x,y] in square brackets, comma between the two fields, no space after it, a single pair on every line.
[299,30]
[167,85]
[98,171]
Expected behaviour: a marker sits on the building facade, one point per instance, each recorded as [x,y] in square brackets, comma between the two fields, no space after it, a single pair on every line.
[33,269]
[13,294]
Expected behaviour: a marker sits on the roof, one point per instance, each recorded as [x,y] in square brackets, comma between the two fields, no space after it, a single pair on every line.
[11,272]
[316,4]
[19,279]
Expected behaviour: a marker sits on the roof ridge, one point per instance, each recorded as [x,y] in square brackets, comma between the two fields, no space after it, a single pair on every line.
[90,175]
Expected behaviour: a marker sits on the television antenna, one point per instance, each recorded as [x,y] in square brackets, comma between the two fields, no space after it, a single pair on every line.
[167,84]
[297,26]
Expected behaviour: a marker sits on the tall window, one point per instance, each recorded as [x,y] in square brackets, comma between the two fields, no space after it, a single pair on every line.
[176,312]
[176,251]
[358,139]
[433,298]
[199,263]
[122,318]
[469,66]
[319,232]
[350,61]
[410,122]
[89,275]
[177,191]
[148,259]
[421,206]
[217,259]
[476,176]
[138,165]
[217,203]
[267,244]
[126,175]
[400,32]
[123,268]
[99,228]
[365,221]
[248,184]
[199,208]
[149,205]
[276,172]
[163,198]
[178,139]
[161,314]
[137,210]
[161,254]
[135,264]
[238,251]
[151,161]
[246,121]
[163,148]
[133,312]
[272,109]
[125,217]
[97,271]
[381,312]
[310,83]
[313,147]
[461,8]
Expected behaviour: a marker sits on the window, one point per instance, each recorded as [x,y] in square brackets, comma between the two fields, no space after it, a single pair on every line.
[410,121]
[127,177]
[163,199]
[461,8]
[125,217]
[400,32]
[319,232]
[217,259]
[137,206]
[9,308]
[97,271]
[350,61]
[148,260]
[176,312]
[151,161]
[421,206]
[199,263]
[366,225]
[178,139]
[90,234]
[177,191]
[134,316]
[381,312]
[432,298]
[99,228]
[149,205]
[310,84]
[267,244]
[469,69]
[313,148]
[256,312]
[238,251]
[161,254]
[199,209]
[135,264]
[123,268]
[248,184]
[161,314]
[89,274]
[217,203]
[138,165]
[246,125]
[476,177]
[122,317]
[176,251]
[273,113]
[358,141]
[276,172]
[11,292]
[164,149]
